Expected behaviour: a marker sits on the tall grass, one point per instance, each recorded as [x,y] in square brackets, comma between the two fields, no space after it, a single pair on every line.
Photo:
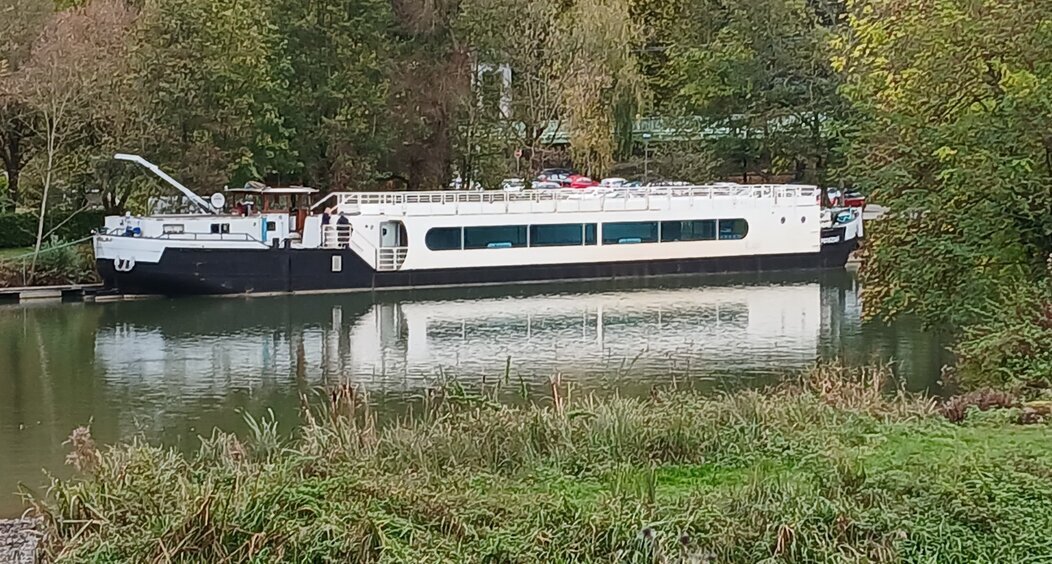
[833,466]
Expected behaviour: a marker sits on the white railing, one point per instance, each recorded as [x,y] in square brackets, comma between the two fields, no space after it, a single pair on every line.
[336,236]
[390,258]
[590,199]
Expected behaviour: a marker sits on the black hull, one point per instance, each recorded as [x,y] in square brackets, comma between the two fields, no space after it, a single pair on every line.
[208,271]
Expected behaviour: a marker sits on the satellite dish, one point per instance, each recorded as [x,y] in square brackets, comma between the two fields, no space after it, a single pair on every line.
[218,200]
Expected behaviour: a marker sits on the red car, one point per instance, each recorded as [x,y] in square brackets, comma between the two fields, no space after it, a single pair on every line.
[579,181]
[855,200]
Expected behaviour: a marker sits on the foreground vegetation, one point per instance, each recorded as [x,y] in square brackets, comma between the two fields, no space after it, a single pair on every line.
[57,263]
[828,468]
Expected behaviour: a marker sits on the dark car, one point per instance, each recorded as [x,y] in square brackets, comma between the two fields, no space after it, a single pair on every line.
[560,175]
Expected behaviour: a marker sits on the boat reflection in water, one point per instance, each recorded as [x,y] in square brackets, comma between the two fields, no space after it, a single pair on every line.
[402,344]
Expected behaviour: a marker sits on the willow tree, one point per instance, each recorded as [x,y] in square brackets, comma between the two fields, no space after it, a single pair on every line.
[595,45]
[955,102]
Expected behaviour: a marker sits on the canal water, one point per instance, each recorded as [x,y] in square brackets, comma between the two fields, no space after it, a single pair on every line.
[171,370]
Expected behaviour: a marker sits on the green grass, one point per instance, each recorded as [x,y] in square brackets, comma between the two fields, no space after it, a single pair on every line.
[828,469]
[13,252]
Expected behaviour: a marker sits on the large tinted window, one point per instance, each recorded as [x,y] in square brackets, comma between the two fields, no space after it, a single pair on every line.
[634,232]
[495,237]
[589,233]
[733,229]
[443,239]
[696,230]
[563,234]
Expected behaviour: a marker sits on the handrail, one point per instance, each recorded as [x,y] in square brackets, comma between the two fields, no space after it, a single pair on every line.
[494,196]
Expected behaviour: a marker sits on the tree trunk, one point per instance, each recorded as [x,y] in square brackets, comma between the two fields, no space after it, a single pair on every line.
[13,174]
[43,197]
[12,157]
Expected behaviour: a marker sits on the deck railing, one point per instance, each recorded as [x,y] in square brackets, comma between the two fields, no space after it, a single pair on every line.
[336,236]
[390,258]
[591,199]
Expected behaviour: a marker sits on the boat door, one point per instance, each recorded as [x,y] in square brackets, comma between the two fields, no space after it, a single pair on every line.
[393,240]
[392,234]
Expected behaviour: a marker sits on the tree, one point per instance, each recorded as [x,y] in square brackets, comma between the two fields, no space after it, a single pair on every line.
[760,70]
[520,37]
[339,55]
[216,76]
[955,106]
[597,41]
[20,23]
[71,63]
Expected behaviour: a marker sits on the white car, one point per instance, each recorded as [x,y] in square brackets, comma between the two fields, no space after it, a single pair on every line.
[612,182]
[512,184]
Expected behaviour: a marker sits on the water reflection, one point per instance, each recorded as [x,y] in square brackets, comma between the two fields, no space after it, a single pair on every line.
[174,368]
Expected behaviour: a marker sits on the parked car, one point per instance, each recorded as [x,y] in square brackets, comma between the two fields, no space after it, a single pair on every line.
[855,200]
[545,185]
[579,181]
[560,175]
[614,182]
[458,184]
[512,184]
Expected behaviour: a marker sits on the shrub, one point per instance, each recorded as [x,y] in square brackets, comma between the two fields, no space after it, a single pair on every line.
[1013,347]
[20,229]
[57,263]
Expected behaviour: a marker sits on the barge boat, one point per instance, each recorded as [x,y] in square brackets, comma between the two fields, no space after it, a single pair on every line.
[273,240]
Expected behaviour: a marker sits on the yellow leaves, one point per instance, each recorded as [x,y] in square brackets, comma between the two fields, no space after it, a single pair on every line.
[945,153]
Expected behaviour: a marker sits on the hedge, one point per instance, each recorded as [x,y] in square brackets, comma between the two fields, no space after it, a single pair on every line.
[20,229]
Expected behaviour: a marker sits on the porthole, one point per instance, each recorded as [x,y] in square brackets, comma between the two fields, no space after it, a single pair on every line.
[803,219]
[783,221]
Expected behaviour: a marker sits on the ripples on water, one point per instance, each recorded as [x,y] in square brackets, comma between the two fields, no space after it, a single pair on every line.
[172,369]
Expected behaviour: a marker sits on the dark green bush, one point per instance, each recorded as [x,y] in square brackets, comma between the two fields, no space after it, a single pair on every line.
[19,229]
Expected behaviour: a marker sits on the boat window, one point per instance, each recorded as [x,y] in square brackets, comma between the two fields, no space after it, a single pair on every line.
[173,229]
[443,239]
[220,228]
[495,237]
[630,232]
[589,234]
[558,235]
[733,229]
[694,230]
[271,226]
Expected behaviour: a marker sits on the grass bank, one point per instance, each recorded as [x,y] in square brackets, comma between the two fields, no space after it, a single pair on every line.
[58,263]
[828,468]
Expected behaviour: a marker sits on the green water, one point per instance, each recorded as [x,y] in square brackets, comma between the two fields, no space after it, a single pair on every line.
[173,369]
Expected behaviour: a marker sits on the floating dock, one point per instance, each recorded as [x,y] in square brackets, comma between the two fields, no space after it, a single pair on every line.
[68,293]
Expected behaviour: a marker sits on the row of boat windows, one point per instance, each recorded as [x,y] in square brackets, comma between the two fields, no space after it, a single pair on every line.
[579,234]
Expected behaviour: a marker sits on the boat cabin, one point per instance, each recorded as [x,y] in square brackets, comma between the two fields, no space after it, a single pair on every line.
[256,198]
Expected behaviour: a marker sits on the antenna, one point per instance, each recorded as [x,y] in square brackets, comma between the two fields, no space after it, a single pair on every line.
[164,176]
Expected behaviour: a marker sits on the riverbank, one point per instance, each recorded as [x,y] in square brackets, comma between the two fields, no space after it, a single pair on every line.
[826,468]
